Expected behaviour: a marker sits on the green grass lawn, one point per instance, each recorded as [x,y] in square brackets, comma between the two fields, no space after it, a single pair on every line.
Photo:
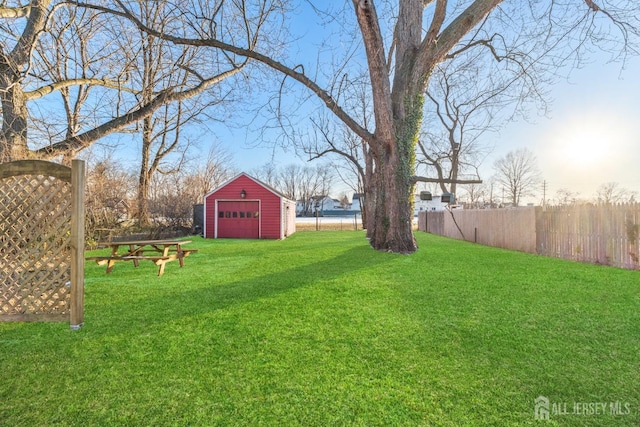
[321,330]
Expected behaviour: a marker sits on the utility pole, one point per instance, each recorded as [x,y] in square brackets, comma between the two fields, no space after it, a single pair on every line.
[491,194]
[544,193]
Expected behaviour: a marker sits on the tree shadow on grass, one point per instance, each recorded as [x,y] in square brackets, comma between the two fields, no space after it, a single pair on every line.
[173,303]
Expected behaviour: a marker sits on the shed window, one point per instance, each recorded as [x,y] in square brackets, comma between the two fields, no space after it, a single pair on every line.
[241,214]
[235,214]
[221,214]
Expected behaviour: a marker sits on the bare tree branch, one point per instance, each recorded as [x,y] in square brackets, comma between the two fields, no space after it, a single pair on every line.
[252,54]
[415,179]
[56,86]
[83,140]
[15,12]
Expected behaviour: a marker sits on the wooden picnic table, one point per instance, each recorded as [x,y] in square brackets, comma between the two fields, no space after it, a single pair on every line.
[159,252]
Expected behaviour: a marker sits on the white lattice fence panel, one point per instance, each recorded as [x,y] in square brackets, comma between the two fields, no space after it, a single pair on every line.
[35,235]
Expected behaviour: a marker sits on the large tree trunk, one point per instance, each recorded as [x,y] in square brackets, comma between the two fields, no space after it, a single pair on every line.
[397,112]
[143,200]
[144,178]
[368,203]
[13,141]
[455,170]
[398,107]
[393,207]
[395,186]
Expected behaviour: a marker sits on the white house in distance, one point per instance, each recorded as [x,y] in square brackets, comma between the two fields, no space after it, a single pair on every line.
[321,203]
[326,203]
[434,205]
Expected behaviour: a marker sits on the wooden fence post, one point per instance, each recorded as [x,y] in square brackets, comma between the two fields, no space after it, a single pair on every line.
[76,319]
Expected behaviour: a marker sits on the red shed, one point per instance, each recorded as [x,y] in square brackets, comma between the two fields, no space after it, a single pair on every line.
[248,209]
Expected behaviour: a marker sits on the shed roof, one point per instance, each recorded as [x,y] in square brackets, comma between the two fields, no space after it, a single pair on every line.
[257,181]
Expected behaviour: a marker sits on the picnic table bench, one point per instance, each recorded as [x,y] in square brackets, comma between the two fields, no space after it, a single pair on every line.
[159,252]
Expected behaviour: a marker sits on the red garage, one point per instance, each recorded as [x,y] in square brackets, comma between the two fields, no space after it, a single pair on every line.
[246,208]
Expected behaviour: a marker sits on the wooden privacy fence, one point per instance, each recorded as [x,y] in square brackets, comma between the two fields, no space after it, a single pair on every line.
[502,228]
[42,242]
[606,234]
[599,234]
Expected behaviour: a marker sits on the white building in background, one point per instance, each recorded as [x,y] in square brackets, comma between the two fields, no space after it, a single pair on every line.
[319,203]
[433,205]
[322,203]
